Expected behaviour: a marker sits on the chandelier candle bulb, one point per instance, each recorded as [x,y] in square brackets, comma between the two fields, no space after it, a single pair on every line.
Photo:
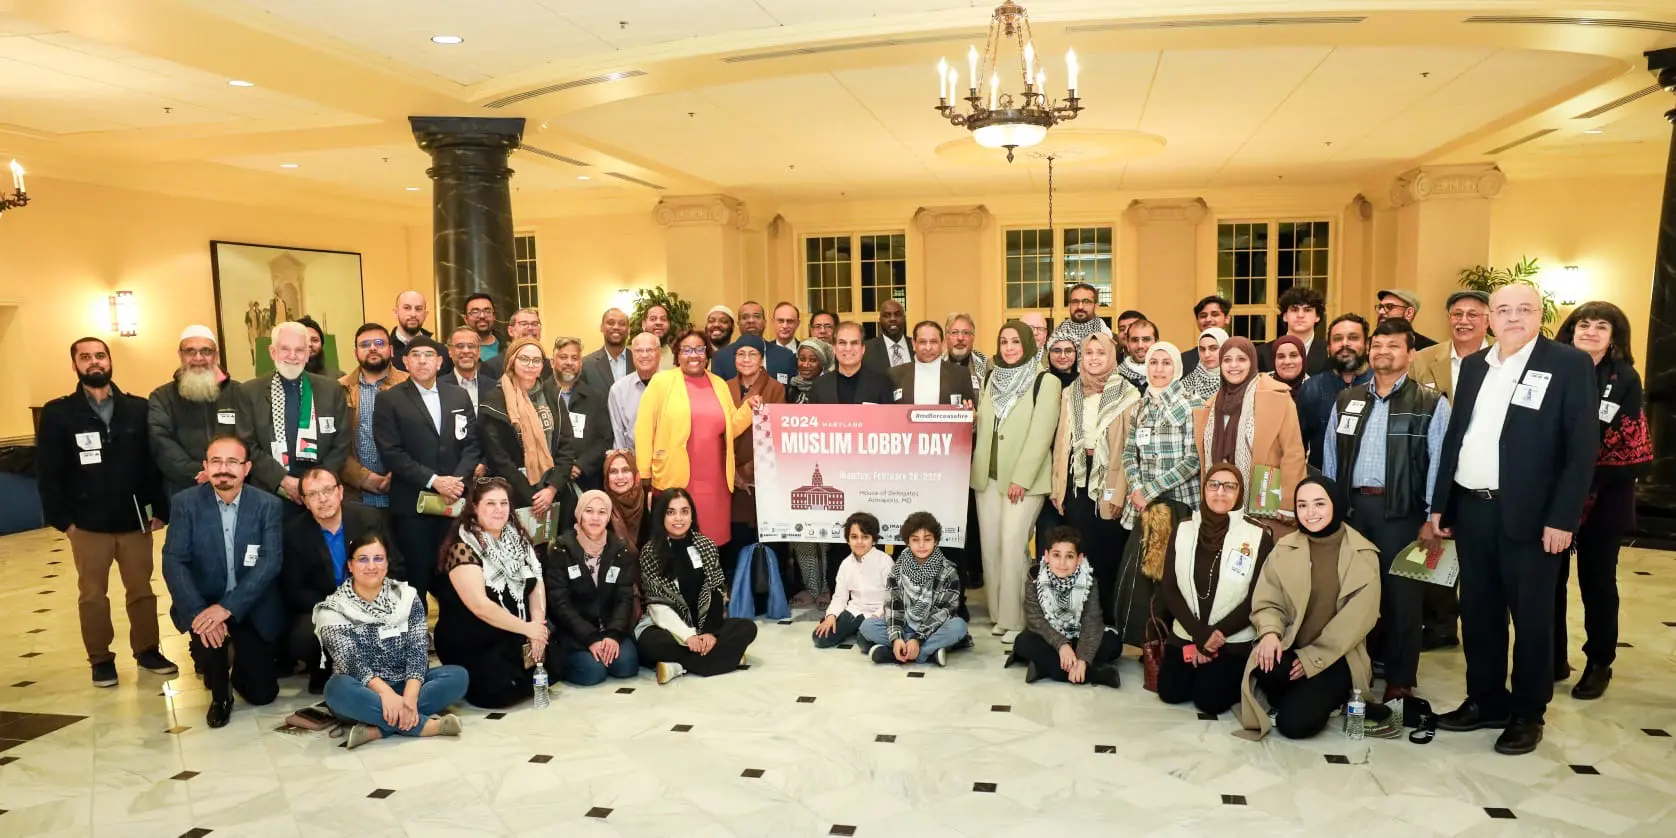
[1071,68]
[972,66]
[1041,82]
[17,176]
[943,91]
[1029,61]
[954,83]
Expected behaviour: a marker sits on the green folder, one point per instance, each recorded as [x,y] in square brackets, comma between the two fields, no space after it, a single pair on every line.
[1264,501]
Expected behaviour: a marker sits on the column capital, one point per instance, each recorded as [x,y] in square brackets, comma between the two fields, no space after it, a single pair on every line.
[701,211]
[958,219]
[435,132]
[1425,183]
[1166,211]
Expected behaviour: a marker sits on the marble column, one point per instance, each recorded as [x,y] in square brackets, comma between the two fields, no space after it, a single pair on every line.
[951,255]
[471,210]
[1443,225]
[705,249]
[1658,491]
[1166,282]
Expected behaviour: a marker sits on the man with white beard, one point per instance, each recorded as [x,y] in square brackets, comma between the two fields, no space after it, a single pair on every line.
[960,333]
[200,404]
[590,415]
[299,420]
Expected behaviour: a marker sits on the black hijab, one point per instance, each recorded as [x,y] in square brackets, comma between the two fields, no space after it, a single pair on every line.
[1331,489]
[1067,377]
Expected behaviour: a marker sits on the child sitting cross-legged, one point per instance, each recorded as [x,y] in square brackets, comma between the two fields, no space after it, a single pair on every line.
[863,583]
[919,623]
[1065,637]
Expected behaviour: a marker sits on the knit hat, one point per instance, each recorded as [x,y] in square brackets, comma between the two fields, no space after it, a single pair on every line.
[723,309]
[198,331]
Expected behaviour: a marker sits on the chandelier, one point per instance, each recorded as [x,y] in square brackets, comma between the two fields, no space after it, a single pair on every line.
[1003,119]
[19,197]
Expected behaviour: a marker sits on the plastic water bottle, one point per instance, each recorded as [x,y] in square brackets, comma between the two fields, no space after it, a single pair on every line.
[542,700]
[1355,715]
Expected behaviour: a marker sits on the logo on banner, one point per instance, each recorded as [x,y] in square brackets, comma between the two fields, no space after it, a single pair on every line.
[817,495]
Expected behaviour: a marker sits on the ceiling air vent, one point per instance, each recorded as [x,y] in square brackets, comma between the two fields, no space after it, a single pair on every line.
[554,88]
[1618,102]
[1618,23]
[1535,135]
[634,180]
[1211,23]
[888,42]
[541,152]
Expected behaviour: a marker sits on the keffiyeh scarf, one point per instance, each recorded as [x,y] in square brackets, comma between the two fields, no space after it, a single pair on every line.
[919,583]
[1076,333]
[308,434]
[1117,397]
[343,607]
[508,562]
[1062,600]
[1243,435]
[660,588]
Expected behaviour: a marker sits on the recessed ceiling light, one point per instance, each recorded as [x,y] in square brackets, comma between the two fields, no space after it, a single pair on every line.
[288,165]
[241,83]
[446,39]
[583,177]
[413,189]
[1595,131]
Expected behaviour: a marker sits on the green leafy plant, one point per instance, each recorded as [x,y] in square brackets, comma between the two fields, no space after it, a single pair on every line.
[1489,279]
[680,311]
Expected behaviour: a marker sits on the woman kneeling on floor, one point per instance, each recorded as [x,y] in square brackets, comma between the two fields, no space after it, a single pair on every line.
[1210,569]
[863,584]
[373,627]
[919,623]
[1065,636]
[1313,607]
[590,593]
[686,627]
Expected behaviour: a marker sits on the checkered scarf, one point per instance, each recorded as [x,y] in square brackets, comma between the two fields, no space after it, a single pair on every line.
[308,445]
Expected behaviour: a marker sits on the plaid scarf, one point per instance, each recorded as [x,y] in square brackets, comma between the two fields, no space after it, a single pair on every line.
[508,562]
[343,607]
[919,583]
[661,588]
[308,445]
[1117,397]
[1062,600]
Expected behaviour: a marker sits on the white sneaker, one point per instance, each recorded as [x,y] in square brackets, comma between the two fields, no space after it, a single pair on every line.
[940,657]
[670,671]
[997,630]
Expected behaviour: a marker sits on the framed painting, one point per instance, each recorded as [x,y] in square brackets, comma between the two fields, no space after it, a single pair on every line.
[258,285]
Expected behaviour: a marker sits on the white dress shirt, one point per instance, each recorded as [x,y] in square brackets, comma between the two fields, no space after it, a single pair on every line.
[893,347]
[863,585]
[433,403]
[927,378]
[1480,463]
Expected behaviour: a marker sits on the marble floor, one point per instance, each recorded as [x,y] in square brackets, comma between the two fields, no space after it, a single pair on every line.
[805,742]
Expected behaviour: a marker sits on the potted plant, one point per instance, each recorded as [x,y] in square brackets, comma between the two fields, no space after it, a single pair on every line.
[680,311]
[1488,279]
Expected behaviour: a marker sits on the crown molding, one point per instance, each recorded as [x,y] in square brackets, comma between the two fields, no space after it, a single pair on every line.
[701,211]
[1166,211]
[1426,183]
[957,219]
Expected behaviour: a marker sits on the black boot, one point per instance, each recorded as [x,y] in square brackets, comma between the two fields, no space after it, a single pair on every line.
[1105,675]
[1593,683]
[1031,676]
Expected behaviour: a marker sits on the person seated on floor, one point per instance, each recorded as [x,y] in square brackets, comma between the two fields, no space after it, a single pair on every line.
[686,627]
[374,629]
[316,563]
[629,521]
[1315,602]
[1211,566]
[492,614]
[1065,636]
[919,623]
[590,593]
[863,583]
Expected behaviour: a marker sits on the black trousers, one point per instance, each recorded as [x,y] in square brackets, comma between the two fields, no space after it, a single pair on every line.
[1213,687]
[1397,639]
[1102,542]
[733,637]
[1302,707]
[302,644]
[1033,648]
[245,662]
[419,538]
[1597,581]
[1501,577]
[1046,520]
[846,630]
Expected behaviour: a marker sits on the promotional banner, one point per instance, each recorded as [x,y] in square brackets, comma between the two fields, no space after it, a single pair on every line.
[817,463]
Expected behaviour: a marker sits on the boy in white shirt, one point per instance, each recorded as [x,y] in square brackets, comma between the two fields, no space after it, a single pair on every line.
[862,587]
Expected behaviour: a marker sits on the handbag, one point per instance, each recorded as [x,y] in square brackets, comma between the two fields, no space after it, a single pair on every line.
[1152,651]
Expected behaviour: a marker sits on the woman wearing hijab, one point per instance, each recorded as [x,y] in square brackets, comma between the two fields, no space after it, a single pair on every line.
[1063,364]
[686,627]
[1210,568]
[527,438]
[1288,352]
[1066,638]
[492,616]
[1315,602]
[751,382]
[814,358]
[590,576]
[1206,378]
[628,499]
[684,434]
[1096,414]
[1018,413]
[373,630]
[1252,422]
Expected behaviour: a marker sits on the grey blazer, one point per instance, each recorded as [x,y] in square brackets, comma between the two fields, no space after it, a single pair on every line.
[596,370]
[331,410]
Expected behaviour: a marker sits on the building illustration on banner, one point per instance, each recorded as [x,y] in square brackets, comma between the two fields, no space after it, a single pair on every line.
[817,495]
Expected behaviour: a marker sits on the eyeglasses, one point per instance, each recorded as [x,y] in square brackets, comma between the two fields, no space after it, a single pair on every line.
[527,361]
[465,346]
[1387,308]
[478,312]
[225,461]
[490,481]
[371,559]
[1469,316]
[1521,312]
[691,351]
[1222,485]
[206,352]
[1063,350]
[374,343]
[320,494]
[746,352]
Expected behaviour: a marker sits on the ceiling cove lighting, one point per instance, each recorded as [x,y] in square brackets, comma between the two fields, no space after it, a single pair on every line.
[1000,118]
[413,189]
[288,165]
[240,83]
[446,39]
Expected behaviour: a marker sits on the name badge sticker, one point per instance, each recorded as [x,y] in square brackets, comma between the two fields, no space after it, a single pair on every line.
[1347,424]
[611,575]
[225,417]
[578,423]
[387,632]
[896,394]
[574,572]
[698,559]
[1538,378]
[1108,495]
[279,452]
[955,400]
[782,378]
[1355,406]
[251,554]
[1529,396]
[89,441]
[90,458]
[460,421]
[1608,410]
[328,424]
[1143,436]
[1240,561]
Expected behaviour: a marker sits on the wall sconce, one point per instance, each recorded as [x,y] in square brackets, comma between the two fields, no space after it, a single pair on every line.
[1570,285]
[125,314]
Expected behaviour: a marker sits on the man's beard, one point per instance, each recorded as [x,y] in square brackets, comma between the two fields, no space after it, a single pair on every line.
[316,364]
[484,333]
[97,379]
[199,386]
[1082,316]
[960,356]
[377,366]
[289,372]
[1355,362]
[565,377]
[721,340]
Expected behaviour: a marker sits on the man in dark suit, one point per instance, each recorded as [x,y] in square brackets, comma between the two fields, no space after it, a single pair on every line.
[427,434]
[1301,310]
[605,365]
[410,312]
[301,420]
[220,559]
[930,379]
[1516,467]
[892,347]
[317,549]
[590,419]
[1209,313]
[851,381]
[468,372]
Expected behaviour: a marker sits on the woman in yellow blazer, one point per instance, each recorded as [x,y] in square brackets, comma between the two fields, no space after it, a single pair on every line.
[1012,471]
[684,434]
[1252,421]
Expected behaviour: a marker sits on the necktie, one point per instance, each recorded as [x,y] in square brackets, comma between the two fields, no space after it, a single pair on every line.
[896,358]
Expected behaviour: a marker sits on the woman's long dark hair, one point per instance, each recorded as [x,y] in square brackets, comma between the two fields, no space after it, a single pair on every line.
[659,542]
[1619,348]
[467,519]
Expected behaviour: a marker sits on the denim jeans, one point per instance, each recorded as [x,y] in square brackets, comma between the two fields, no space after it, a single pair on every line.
[581,669]
[351,699]
[874,631]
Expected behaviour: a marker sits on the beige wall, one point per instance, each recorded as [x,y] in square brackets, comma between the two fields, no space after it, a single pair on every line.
[63,256]
[584,261]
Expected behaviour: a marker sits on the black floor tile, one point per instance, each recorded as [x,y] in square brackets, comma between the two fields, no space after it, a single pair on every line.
[681,728]
[30,655]
[1105,749]
[1653,731]
[24,684]
[50,576]
[886,738]
[846,646]
[805,699]
[1585,769]
[495,717]
[1207,717]
[1000,708]
[541,759]
[1670,623]
[1623,645]
[841,829]
[1233,800]
[7,760]
[916,675]
[184,775]
[1499,813]
[785,622]
[599,812]
[380,794]
[34,631]
[44,593]
[625,690]
[1338,759]
[987,788]
[36,724]
[751,773]
[1642,573]
[42,610]
[196,832]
